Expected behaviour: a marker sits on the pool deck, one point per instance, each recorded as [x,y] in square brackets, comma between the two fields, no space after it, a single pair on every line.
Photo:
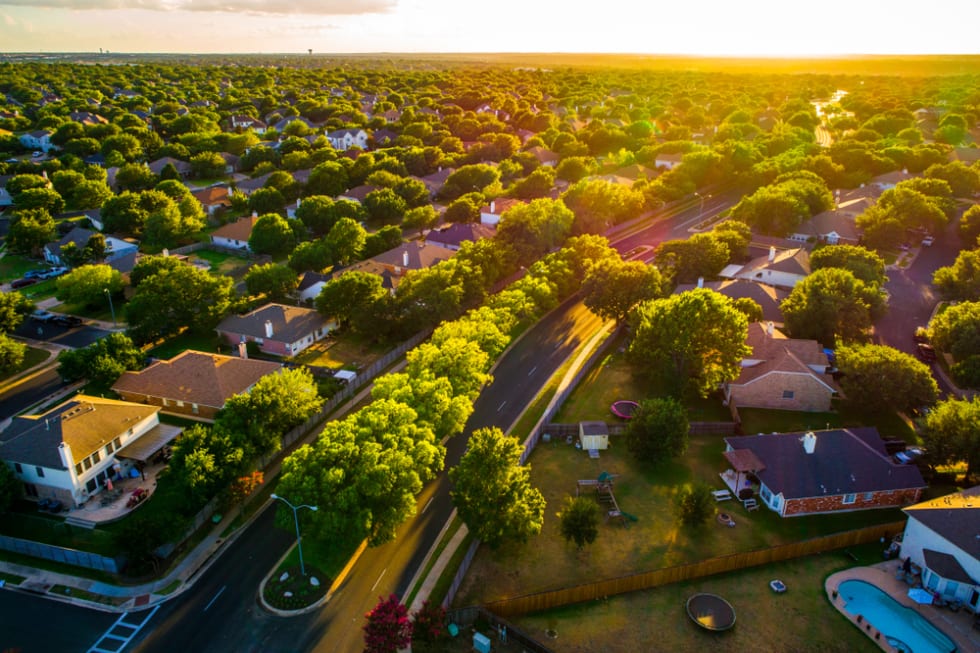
[958,626]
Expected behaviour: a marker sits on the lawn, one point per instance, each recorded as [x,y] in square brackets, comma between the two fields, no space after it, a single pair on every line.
[13,266]
[656,540]
[223,263]
[25,522]
[348,351]
[33,356]
[185,341]
[656,620]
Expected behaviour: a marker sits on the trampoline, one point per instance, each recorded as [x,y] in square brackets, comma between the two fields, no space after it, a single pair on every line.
[624,409]
[711,612]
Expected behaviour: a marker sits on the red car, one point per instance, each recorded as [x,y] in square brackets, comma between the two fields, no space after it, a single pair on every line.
[926,352]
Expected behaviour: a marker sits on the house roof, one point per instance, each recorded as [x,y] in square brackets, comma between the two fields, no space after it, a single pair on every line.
[157,166]
[84,423]
[240,229]
[768,297]
[499,206]
[956,517]
[844,461]
[594,428]
[253,184]
[947,566]
[457,233]
[789,261]
[310,279]
[544,155]
[80,236]
[891,178]
[358,193]
[197,377]
[829,222]
[213,195]
[289,323]
[670,157]
[420,256]
[744,460]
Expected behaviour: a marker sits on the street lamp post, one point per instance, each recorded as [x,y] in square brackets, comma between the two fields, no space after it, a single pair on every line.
[299,540]
[701,209]
[111,307]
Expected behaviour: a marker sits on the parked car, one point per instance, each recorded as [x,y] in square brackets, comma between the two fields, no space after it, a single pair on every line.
[908,456]
[921,335]
[68,321]
[54,272]
[22,283]
[927,241]
[43,316]
[926,352]
[37,273]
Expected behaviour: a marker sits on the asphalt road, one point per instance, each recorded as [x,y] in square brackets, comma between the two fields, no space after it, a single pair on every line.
[31,624]
[29,392]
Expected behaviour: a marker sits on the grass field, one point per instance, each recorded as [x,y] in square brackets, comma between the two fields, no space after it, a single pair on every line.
[346,351]
[222,263]
[33,356]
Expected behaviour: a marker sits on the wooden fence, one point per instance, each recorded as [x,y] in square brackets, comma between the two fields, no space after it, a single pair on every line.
[610,587]
[495,627]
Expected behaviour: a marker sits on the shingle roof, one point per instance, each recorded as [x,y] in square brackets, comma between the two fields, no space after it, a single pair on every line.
[289,323]
[460,232]
[845,461]
[197,377]
[791,261]
[955,517]
[767,297]
[946,566]
[84,423]
[420,256]
[240,229]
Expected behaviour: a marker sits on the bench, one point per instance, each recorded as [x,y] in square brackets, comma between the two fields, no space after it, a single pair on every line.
[721,495]
[751,504]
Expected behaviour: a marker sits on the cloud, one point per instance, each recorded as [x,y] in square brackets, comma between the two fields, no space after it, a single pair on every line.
[262,7]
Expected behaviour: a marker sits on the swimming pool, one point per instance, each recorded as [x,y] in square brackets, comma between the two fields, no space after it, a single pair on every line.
[904,628]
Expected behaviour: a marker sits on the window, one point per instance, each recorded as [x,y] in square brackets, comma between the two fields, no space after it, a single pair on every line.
[868,496]
[87,463]
[91,485]
[108,449]
[18,468]
[40,472]
[849,498]
[180,404]
[194,408]
[117,443]
[787,394]
[765,494]
[78,469]
[96,457]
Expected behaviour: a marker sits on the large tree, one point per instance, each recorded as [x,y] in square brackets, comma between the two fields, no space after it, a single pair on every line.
[599,204]
[832,304]
[863,263]
[346,241]
[30,230]
[692,341]
[579,520]
[272,280]
[952,434]
[613,287]
[878,379]
[658,431]
[493,492]
[430,396]
[171,300]
[102,362]
[532,230]
[350,298]
[11,354]
[272,235]
[961,280]
[13,307]
[957,330]
[684,261]
[388,628]
[88,285]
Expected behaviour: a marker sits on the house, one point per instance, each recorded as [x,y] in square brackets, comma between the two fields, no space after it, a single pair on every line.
[414,255]
[545,156]
[38,140]
[213,198]
[115,248]
[966,155]
[358,193]
[668,160]
[767,297]
[345,139]
[835,470]
[312,283]
[783,269]
[889,180]
[68,452]
[248,122]
[285,122]
[234,235]
[435,181]
[183,167]
[87,118]
[383,137]
[232,162]
[5,197]
[490,214]
[193,384]
[782,373]
[277,329]
[455,235]
[942,536]
[833,227]
[249,186]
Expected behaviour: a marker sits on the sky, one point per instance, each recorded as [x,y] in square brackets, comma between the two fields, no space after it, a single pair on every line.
[708,27]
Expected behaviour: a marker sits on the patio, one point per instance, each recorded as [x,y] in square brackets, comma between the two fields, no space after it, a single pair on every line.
[958,626]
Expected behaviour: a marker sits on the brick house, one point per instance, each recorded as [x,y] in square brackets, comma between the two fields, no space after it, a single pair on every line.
[193,384]
[277,329]
[942,537]
[817,472]
[782,373]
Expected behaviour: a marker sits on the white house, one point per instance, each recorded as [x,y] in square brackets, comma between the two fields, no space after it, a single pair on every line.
[115,248]
[668,161]
[942,536]
[234,235]
[69,452]
[38,140]
[780,269]
[345,139]
[490,214]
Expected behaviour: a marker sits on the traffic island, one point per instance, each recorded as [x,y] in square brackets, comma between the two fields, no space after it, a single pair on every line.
[292,592]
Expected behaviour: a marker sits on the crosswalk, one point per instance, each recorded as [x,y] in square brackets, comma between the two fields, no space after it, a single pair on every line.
[122,632]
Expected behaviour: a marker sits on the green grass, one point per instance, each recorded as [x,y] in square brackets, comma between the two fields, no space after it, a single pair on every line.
[100,312]
[348,351]
[440,547]
[33,356]
[441,586]
[11,579]
[171,588]
[759,420]
[49,529]
[222,263]
[188,340]
[328,557]
[13,266]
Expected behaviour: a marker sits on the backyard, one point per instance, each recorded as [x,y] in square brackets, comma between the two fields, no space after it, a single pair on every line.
[347,351]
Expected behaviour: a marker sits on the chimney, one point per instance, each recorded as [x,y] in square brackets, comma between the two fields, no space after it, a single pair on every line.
[165,252]
[700,282]
[268,328]
[64,451]
[298,200]
[493,205]
[255,214]
[772,253]
[405,258]
[770,328]
[242,350]
[809,442]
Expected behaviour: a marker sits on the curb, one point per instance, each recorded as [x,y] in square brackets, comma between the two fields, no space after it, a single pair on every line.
[323,600]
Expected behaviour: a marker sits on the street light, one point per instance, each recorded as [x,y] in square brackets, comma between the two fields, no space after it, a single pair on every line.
[299,540]
[111,308]
[702,198]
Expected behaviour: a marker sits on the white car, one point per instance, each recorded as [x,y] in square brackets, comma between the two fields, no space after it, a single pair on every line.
[927,241]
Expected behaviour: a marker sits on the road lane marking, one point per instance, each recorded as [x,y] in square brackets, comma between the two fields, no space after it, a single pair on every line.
[427,504]
[211,602]
[501,407]
[532,370]
[125,639]
[379,579]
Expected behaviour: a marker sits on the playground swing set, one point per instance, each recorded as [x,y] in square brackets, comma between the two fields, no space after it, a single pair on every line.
[603,488]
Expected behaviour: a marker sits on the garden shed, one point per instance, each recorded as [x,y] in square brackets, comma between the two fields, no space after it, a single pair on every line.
[593,435]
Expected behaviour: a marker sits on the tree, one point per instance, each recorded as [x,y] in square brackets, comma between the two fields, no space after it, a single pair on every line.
[102,362]
[30,230]
[694,341]
[328,178]
[274,281]
[613,287]
[171,300]
[388,629]
[384,206]
[147,266]
[346,241]
[952,434]
[878,379]
[959,281]
[863,263]
[430,396]
[135,177]
[207,164]
[88,285]
[350,297]
[579,520]
[533,229]
[957,330]
[205,460]
[386,238]
[272,235]
[464,209]
[316,212]
[10,487]
[11,355]
[428,626]
[694,504]
[13,307]
[47,199]
[493,492]
[168,225]
[311,255]
[700,256]
[599,204]
[421,218]
[658,431]
[459,360]
[830,305]
[970,225]
[470,179]
[267,200]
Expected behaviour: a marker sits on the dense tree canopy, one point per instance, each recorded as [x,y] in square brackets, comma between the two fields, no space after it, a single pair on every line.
[878,379]
[832,304]
[952,434]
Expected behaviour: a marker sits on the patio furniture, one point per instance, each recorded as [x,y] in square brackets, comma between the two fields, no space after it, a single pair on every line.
[751,504]
[721,495]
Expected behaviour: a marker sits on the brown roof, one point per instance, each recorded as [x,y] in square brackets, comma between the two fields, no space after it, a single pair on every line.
[460,232]
[197,377]
[777,353]
[420,256]
[213,195]
[240,229]
[501,205]
[289,323]
[791,261]
[744,460]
